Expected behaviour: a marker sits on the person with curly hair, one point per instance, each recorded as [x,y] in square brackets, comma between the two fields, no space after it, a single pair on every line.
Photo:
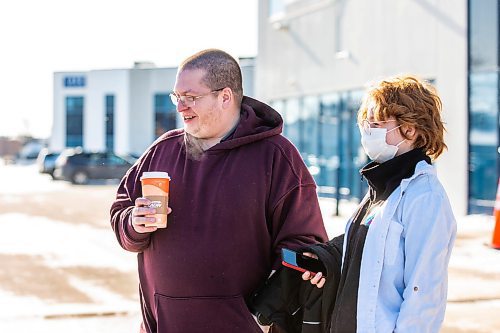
[397,244]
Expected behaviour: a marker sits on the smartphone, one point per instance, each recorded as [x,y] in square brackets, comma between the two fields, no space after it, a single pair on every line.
[301,262]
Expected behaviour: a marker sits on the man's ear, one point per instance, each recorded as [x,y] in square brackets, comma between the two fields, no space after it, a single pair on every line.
[227,97]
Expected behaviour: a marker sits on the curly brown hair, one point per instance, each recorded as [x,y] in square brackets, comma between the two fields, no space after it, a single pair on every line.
[412,102]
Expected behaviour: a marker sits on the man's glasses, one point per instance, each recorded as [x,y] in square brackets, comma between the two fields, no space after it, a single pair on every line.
[189,101]
[367,126]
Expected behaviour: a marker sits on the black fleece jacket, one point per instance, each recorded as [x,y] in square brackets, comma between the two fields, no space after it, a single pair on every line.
[295,306]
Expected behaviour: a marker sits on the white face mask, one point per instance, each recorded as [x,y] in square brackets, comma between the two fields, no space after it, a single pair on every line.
[375,145]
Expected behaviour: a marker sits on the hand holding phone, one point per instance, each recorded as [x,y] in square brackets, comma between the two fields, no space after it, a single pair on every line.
[301,262]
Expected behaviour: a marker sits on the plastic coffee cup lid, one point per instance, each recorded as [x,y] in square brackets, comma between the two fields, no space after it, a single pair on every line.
[154,174]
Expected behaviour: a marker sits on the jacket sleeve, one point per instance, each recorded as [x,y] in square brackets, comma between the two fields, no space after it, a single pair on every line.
[121,209]
[429,232]
[334,246]
[330,254]
[297,221]
[294,216]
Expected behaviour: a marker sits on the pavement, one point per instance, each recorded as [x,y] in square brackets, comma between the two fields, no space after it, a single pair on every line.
[63,271]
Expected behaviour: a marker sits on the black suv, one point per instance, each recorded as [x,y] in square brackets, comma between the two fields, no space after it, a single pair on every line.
[79,167]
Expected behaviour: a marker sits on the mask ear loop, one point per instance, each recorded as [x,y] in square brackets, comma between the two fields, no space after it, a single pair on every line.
[392,129]
[404,138]
[401,142]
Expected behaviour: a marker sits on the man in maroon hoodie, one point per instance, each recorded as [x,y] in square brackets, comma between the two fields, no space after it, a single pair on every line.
[239,193]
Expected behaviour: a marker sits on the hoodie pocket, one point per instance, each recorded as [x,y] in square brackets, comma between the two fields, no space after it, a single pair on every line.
[204,314]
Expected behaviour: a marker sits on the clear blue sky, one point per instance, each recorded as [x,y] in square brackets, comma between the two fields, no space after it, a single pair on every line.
[40,37]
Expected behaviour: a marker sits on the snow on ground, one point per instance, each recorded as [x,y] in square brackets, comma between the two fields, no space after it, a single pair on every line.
[62,244]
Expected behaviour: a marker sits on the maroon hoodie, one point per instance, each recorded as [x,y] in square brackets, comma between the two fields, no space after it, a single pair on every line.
[232,212]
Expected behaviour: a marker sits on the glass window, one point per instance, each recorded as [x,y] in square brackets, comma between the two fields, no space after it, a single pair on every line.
[483,141]
[354,157]
[165,114]
[483,34]
[483,104]
[328,128]
[115,160]
[110,114]
[325,132]
[309,124]
[291,119]
[74,121]
[97,159]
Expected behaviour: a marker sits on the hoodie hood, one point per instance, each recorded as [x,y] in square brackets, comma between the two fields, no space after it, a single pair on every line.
[257,121]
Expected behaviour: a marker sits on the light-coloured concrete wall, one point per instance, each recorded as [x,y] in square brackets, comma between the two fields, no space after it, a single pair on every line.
[102,83]
[56,140]
[144,84]
[340,45]
[117,83]
[140,129]
[451,82]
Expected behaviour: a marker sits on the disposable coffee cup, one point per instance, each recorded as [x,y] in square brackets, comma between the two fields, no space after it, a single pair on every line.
[155,187]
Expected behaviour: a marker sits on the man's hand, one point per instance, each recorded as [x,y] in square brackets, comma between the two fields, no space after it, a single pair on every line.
[142,214]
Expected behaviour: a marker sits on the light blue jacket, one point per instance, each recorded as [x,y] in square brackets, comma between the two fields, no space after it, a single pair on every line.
[404,269]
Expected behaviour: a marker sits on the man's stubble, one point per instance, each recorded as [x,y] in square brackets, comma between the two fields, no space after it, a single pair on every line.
[193,147]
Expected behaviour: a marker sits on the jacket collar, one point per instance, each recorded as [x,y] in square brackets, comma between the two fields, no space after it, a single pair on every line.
[389,207]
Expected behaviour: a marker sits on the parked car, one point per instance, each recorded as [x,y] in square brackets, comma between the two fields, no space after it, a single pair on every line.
[29,152]
[79,167]
[46,161]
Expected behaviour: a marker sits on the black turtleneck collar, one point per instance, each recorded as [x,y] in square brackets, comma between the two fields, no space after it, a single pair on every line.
[383,178]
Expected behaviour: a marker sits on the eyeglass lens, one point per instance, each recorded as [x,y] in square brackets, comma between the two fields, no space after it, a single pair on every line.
[185,100]
[366,125]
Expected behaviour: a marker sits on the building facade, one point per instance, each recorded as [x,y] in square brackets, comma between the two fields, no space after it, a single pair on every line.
[120,110]
[483,103]
[316,57]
